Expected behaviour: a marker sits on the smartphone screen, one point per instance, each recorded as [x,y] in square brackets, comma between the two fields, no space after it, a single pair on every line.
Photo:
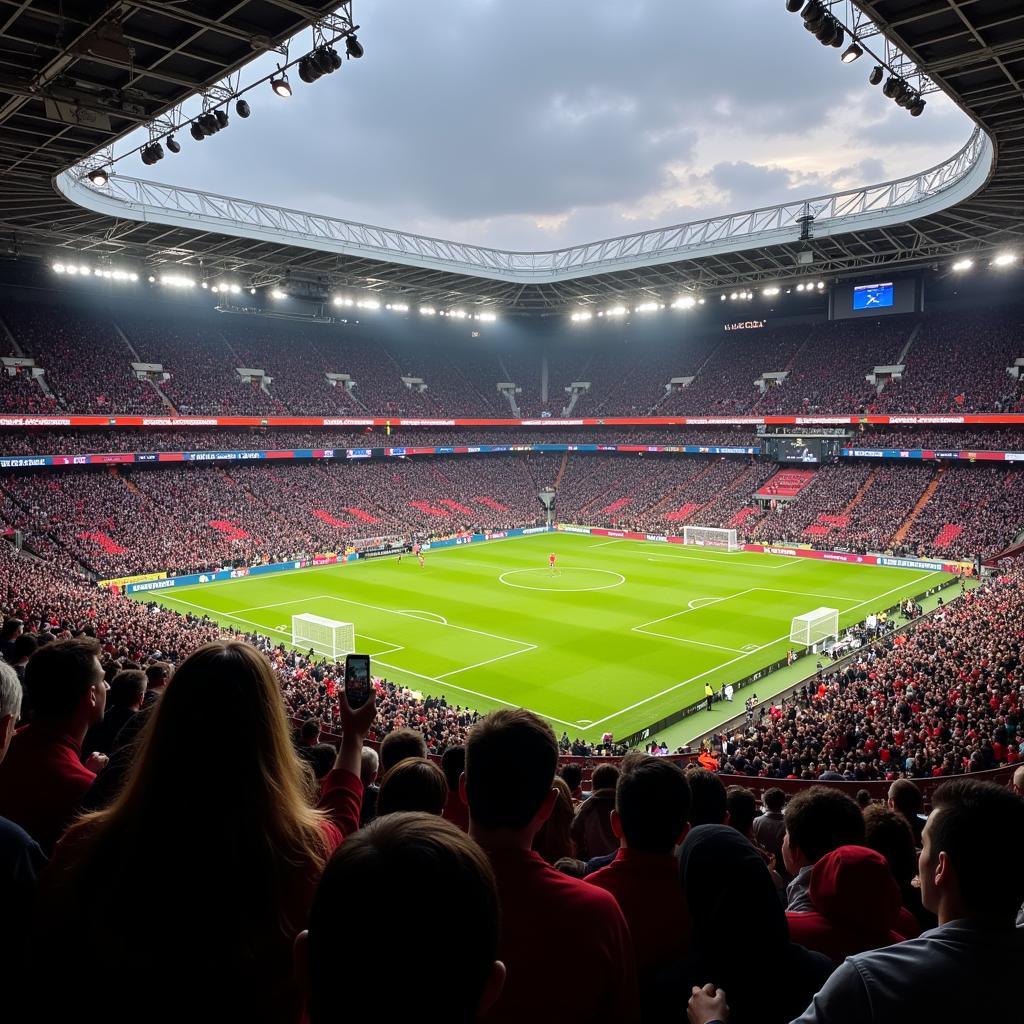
[357,679]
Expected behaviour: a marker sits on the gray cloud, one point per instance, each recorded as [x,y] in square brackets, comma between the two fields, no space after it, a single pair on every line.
[535,124]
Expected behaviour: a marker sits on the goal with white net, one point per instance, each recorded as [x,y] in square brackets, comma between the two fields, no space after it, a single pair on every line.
[815,627]
[711,537]
[328,637]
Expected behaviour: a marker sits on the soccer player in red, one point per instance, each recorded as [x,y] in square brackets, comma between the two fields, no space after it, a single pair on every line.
[551,563]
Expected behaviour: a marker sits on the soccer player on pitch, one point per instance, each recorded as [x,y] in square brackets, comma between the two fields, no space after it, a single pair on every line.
[551,563]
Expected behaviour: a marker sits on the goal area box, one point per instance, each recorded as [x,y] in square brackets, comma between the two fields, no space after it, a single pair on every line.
[328,637]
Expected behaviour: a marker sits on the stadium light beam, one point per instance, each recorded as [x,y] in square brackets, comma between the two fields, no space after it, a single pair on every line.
[771,290]
[1005,259]
[428,311]
[851,53]
[961,265]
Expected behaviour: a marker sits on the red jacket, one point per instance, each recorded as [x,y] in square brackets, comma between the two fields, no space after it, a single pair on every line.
[646,887]
[42,781]
[565,946]
[856,901]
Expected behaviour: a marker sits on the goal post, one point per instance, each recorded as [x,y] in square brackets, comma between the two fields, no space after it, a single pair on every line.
[328,637]
[711,537]
[815,627]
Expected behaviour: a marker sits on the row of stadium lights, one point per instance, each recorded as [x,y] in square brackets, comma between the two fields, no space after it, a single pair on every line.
[233,288]
[826,28]
[689,302]
[323,60]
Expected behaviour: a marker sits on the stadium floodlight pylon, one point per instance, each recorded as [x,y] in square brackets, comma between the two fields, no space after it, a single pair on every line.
[328,637]
[711,537]
[814,628]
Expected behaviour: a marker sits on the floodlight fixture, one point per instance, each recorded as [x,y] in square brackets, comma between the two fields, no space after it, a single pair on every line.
[99,176]
[222,118]
[851,53]
[276,293]
[917,107]
[242,108]
[1005,259]
[173,145]
[487,318]
[581,315]
[876,76]
[196,132]
[646,307]
[616,311]
[281,85]
[427,311]
[793,6]
[58,268]
[965,264]
[353,47]
[772,289]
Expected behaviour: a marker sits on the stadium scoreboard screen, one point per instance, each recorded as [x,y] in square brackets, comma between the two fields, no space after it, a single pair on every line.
[880,296]
[790,448]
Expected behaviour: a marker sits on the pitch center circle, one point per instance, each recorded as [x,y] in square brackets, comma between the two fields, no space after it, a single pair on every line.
[555,583]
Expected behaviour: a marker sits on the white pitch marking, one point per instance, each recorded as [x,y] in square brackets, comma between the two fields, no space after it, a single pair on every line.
[489,661]
[427,616]
[703,602]
[605,543]
[687,640]
[562,590]
[726,664]
[686,611]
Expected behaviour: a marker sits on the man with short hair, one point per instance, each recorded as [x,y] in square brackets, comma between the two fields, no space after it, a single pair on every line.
[43,779]
[127,691]
[650,818]
[906,799]
[158,675]
[400,744]
[770,827]
[368,771]
[24,647]
[818,820]
[592,828]
[453,974]
[707,798]
[565,942]
[21,859]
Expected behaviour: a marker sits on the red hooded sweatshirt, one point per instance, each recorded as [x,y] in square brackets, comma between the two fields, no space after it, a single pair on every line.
[856,901]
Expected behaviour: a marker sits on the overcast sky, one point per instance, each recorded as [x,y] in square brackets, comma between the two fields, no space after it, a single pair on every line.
[541,123]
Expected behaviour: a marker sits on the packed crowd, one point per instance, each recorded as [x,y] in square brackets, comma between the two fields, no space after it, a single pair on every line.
[827,365]
[848,911]
[942,699]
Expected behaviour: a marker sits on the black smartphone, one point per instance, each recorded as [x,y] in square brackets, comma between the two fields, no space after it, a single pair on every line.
[357,679]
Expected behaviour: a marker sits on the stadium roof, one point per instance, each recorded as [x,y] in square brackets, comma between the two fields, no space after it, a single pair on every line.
[972,49]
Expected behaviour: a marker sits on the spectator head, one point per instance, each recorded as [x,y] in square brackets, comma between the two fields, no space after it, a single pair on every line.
[127,689]
[400,744]
[889,834]
[553,840]
[453,764]
[321,759]
[1018,781]
[459,954]
[863,799]
[11,629]
[774,800]
[415,784]
[369,765]
[970,858]
[819,820]
[652,804]
[604,776]
[707,798]
[64,682]
[511,756]
[158,674]
[906,799]
[10,705]
[573,775]
[309,731]
[24,647]
[742,806]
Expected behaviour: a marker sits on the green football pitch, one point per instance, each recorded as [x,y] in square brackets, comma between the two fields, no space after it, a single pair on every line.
[625,633]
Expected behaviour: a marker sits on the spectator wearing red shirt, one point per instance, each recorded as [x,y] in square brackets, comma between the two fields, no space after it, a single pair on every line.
[358,885]
[204,867]
[650,817]
[43,779]
[564,942]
